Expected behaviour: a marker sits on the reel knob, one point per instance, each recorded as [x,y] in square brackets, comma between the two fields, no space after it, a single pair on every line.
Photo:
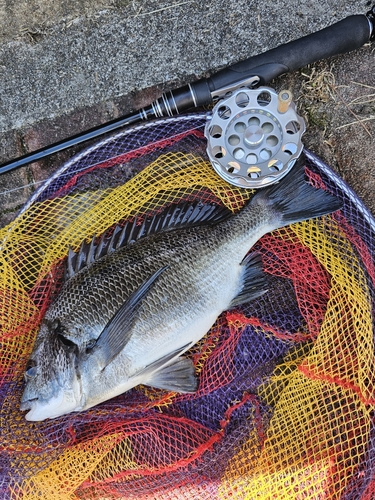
[254,136]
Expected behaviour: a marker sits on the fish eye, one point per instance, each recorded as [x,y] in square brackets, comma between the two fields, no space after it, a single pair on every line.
[31,370]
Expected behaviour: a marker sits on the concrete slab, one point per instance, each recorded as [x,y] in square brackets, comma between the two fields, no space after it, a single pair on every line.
[67,66]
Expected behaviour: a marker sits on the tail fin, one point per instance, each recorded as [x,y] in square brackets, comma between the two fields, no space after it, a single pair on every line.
[296,200]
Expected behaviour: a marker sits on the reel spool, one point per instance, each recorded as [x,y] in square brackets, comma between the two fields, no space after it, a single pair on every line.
[254,136]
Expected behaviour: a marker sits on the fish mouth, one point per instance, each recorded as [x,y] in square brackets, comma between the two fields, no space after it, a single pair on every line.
[55,406]
[31,405]
[28,404]
[34,406]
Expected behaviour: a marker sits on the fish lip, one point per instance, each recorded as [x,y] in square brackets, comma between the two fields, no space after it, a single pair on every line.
[28,404]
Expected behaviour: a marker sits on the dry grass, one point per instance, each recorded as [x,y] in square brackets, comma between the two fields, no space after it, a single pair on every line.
[366,99]
[319,87]
[317,84]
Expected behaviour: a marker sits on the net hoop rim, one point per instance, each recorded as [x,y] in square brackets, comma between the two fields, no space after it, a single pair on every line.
[312,157]
[340,183]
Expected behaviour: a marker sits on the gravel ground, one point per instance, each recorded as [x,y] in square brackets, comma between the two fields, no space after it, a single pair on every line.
[66,66]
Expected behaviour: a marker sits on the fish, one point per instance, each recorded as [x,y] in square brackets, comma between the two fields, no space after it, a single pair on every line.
[134,303]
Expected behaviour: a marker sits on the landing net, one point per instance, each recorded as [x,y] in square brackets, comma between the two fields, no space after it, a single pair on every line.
[286,392]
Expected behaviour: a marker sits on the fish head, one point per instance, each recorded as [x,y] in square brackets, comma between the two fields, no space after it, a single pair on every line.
[53,385]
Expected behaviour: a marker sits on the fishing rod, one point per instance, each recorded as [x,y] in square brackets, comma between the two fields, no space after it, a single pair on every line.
[344,36]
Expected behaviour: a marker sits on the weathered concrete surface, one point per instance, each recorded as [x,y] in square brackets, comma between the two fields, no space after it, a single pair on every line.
[66,66]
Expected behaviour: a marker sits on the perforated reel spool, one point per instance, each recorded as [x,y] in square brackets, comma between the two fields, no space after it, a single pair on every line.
[254,136]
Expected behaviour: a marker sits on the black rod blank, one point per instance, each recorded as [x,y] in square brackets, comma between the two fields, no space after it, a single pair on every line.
[341,37]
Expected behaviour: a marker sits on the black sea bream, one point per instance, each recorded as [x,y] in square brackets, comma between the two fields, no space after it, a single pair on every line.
[131,307]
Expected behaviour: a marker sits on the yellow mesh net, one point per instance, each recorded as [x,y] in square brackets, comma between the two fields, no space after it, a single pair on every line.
[285,404]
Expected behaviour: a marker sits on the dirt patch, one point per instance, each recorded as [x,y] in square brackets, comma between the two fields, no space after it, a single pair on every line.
[336,97]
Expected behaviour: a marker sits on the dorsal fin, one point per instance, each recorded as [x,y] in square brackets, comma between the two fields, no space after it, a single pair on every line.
[173,217]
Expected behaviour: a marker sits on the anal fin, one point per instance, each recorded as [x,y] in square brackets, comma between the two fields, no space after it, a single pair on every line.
[177,377]
[171,372]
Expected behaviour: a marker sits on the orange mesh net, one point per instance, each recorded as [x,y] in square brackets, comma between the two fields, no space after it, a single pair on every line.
[284,408]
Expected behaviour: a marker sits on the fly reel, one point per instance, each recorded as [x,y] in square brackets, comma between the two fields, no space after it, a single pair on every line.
[254,136]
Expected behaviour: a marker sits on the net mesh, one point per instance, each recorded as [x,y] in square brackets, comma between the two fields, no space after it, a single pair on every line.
[286,392]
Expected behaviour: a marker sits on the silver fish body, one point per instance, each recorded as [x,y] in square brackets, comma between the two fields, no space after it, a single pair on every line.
[127,317]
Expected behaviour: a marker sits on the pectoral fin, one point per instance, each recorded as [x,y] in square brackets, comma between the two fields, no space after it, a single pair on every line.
[254,280]
[117,333]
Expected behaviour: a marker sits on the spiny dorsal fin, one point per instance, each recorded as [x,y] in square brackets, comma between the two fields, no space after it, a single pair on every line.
[173,217]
